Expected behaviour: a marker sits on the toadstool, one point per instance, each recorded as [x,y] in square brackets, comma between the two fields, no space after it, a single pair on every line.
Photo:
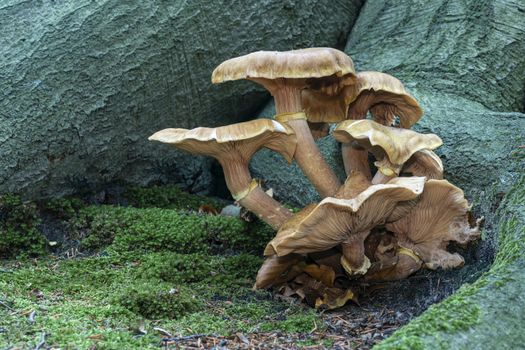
[439,217]
[319,227]
[285,75]
[233,146]
[381,94]
[391,146]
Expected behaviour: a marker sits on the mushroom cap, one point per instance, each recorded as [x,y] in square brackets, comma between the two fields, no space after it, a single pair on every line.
[322,108]
[381,94]
[385,97]
[305,63]
[319,227]
[440,216]
[245,138]
[276,270]
[397,144]
[425,163]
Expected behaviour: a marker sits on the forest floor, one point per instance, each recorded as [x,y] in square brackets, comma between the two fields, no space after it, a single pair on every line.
[143,269]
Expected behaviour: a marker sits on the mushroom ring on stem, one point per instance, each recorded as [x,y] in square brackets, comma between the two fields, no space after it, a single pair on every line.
[233,146]
[285,75]
[334,221]
[392,147]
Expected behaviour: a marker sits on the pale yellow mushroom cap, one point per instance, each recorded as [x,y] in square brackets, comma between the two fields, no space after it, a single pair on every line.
[397,144]
[227,141]
[305,63]
[319,227]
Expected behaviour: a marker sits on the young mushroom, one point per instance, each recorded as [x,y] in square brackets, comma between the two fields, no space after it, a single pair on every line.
[233,146]
[439,217]
[285,75]
[392,147]
[346,222]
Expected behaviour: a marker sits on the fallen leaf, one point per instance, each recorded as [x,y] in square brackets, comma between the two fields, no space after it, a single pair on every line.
[96,337]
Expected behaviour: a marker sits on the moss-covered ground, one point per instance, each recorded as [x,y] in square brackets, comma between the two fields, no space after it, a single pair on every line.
[119,277]
[119,274]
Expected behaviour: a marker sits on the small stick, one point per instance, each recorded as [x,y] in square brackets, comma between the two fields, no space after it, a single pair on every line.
[42,341]
[31,317]
[7,306]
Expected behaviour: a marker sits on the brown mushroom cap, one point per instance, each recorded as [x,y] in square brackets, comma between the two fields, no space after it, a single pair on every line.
[284,75]
[296,64]
[276,270]
[425,163]
[231,140]
[381,94]
[322,108]
[440,216]
[327,224]
[397,144]
[385,97]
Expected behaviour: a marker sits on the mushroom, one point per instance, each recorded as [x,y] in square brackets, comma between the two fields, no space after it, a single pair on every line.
[391,146]
[334,221]
[276,270]
[233,146]
[385,97]
[439,217]
[284,75]
[424,163]
[381,94]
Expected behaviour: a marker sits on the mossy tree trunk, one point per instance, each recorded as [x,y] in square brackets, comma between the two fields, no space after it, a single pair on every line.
[84,83]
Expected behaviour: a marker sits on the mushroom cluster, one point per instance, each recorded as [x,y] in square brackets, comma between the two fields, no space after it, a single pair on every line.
[373,227]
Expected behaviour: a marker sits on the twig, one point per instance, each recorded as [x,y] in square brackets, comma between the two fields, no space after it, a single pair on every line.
[42,341]
[7,306]
[188,337]
[163,331]
[31,317]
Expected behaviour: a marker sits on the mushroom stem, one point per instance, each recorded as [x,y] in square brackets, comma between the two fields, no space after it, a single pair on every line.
[386,171]
[287,95]
[354,260]
[266,208]
[355,158]
[311,161]
[380,178]
[287,98]
[252,197]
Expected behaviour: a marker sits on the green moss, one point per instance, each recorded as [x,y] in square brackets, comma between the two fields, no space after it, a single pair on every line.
[107,297]
[130,230]
[156,301]
[456,313]
[216,275]
[304,321]
[19,236]
[169,197]
[63,208]
[172,268]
